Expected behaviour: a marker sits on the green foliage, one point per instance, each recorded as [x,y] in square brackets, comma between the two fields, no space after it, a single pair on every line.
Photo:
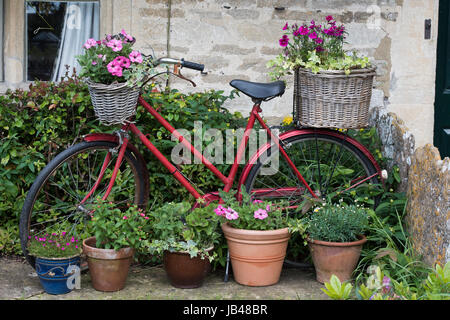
[337,222]
[54,245]
[38,123]
[337,290]
[379,286]
[114,229]
[175,228]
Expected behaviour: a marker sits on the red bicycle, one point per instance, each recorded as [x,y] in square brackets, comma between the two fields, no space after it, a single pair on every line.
[310,162]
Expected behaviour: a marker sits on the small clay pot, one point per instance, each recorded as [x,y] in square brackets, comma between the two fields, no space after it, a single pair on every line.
[186,272]
[108,268]
[338,258]
[256,256]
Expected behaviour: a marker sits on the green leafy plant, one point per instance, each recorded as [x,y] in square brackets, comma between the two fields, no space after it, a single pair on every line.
[316,47]
[115,229]
[336,222]
[379,286]
[54,245]
[337,290]
[252,214]
[177,228]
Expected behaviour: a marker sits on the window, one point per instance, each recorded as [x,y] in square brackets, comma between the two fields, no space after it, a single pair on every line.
[55,33]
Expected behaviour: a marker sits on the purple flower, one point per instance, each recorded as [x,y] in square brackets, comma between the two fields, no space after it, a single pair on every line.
[329,18]
[286,26]
[318,40]
[284,41]
[319,49]
[303,30]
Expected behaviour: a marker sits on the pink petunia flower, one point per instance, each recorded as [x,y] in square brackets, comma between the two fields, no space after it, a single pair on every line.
[123,61]
[115,45]
[125,217]
[257,201]
[260,214]
[135,56]
[220,211]
[90,43]
[231,214]
[114,68]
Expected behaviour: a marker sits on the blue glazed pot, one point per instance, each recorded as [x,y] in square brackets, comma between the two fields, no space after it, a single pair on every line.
[58,275]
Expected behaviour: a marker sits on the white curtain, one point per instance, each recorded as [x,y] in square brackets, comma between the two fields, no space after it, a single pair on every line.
[81,22]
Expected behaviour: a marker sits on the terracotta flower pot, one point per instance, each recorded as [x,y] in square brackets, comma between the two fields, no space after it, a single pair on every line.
[108,268]
[186,272]
[256,256]
[338,258]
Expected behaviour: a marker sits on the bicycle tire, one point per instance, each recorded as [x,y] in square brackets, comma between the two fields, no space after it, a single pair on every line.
[321,169]
[48,181]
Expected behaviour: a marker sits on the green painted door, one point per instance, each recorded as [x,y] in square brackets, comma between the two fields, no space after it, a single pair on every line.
[442,100]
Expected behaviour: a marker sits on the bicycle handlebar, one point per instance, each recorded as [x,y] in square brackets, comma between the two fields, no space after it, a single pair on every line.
[182,62]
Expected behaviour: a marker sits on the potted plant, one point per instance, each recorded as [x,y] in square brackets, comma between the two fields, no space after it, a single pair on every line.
[57,261]
[114,73]
[185,238]
[111,250]
[335,236]
[332,87]
[257,234]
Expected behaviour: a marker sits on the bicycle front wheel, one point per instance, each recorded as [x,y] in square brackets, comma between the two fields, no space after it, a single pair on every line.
[55,200]
[330,163]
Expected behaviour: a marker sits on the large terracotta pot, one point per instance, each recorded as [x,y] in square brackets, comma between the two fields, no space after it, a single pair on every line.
[338,258]
[186,272]
[256,256]
[108,268]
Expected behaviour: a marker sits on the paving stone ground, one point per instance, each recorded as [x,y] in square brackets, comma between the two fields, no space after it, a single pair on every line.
[19,281]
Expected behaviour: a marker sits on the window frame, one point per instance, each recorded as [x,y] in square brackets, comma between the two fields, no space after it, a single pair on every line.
[25,26]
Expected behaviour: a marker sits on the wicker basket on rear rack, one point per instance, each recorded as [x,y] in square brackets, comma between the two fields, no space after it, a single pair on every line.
[113,103]
[332,99]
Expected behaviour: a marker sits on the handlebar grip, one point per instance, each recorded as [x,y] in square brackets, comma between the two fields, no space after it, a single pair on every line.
[192,65]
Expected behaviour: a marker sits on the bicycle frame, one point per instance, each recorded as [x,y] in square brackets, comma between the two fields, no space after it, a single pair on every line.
[227,180]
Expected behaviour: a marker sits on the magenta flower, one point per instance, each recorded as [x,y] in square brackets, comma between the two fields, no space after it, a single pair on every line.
[318,40]
[62,248]
[312,35]
[260,214]
[94,63]
[303,30]
[319,49]
[135,56]
[125,217]
[257,201]
[122,61]
[90,43]
[329,18]
[230,214]
[220,211]
[286,26]
[114,68]
[115,45]
[284,41]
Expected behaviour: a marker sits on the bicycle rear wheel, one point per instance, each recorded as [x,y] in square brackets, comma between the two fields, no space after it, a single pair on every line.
[54,202]
[329,162]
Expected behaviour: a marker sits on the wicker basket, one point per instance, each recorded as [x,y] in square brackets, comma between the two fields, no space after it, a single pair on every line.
[332,99]
[114,103]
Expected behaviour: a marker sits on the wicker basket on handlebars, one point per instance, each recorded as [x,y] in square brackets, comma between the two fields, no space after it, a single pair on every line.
[332,99]
[113,103]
